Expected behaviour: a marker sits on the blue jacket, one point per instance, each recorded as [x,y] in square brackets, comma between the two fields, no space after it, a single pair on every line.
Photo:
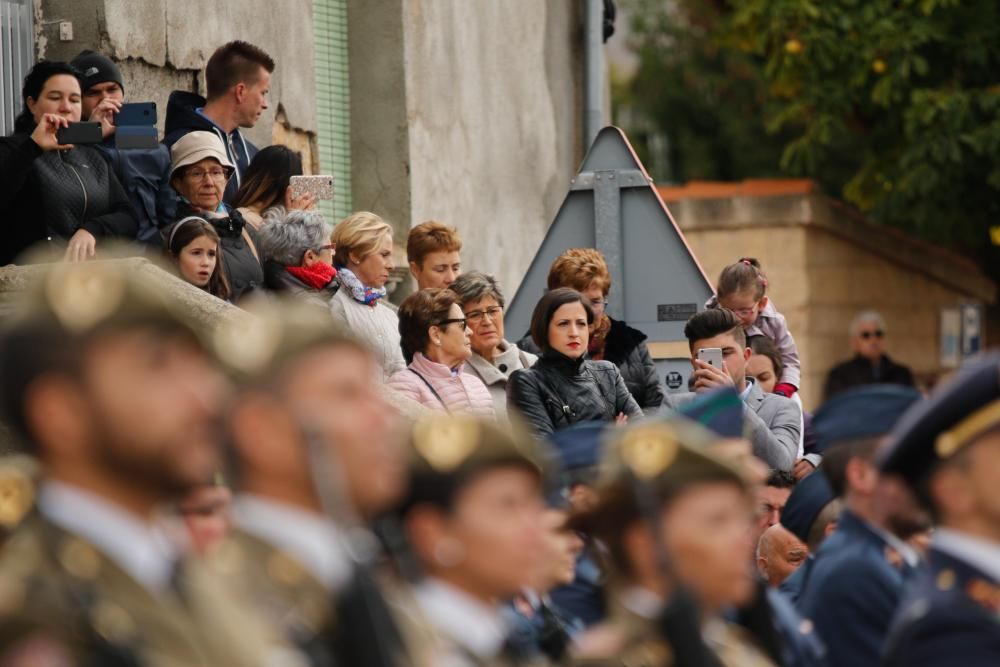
[582,600]
[184,115]
[851,593]
[950,615]
[791,587]
[145,176]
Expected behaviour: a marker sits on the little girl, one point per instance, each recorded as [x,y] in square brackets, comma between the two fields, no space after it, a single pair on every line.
[741,289]
[193,245]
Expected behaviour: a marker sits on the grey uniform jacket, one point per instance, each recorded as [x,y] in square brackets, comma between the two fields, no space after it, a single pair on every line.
[773,422]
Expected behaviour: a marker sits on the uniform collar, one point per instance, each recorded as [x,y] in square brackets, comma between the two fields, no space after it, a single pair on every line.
[477,627]
[312,539]
[981,554]
[905,551]
[141,548]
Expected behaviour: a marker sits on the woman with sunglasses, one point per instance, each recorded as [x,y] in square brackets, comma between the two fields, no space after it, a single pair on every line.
[493,358]
[434,335]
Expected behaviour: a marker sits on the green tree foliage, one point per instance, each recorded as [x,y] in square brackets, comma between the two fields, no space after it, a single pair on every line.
[893,105]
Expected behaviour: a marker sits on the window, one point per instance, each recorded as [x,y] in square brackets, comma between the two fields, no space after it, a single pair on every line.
[333,102]
[17,55]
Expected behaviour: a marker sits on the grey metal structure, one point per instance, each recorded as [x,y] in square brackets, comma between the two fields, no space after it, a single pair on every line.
[17,55]
[657,283]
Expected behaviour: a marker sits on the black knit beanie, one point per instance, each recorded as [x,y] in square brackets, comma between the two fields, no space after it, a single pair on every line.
[96,68]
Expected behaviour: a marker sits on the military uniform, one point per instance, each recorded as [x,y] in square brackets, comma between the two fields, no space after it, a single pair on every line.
[951,612]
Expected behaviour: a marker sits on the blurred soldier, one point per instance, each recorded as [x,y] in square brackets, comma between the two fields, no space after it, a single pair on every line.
[948,450]
[472,519]
[674,516]
[855,582]
[811,515]
[313,460]
[110,388]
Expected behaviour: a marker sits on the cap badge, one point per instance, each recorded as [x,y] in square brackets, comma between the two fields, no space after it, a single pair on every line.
[649,451]
[445,443]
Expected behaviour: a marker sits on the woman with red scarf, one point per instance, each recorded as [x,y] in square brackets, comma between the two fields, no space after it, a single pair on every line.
[299,257]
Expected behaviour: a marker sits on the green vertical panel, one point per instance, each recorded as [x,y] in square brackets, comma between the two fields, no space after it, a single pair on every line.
[333,102]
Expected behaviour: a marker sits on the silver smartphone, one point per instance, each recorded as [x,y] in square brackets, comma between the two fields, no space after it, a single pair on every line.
[711,356]
[320,187]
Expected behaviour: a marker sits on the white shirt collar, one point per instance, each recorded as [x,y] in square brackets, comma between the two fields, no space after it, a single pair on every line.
[908,553]
[312,539]
[977,552]
[746,392]
[642,602]
[476,626]
[142,549]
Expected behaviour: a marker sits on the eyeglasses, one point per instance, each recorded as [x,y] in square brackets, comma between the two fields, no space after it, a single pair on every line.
[463,321]
[598,303]
[198,174]
[476,316]
[328,246]
[743,312]
[878,333]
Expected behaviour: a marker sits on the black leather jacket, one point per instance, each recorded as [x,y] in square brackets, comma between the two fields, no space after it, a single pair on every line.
[559,391]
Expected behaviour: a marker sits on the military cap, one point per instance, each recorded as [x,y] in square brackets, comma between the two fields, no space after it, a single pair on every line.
[282,329]
[955,415]
[658,457]
[580,445]
[445,451]
[808,499]
[865,412]
[719,410]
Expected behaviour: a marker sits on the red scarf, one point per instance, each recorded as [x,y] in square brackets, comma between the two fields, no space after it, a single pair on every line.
[316,276]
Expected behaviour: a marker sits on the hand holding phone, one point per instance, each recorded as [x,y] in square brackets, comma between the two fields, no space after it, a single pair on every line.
[710,370]
[320,187]
[711,356]
[46,133]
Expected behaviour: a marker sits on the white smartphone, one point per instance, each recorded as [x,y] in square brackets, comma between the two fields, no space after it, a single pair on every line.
[711,356]
[320,187]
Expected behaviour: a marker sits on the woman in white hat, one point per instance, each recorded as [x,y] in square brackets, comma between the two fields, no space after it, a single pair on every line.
[199,172]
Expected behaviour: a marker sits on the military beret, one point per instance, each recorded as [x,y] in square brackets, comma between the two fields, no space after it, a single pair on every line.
[660,457]
[281,330]
[580,445]
[864,412]
[808,498]
[720,411]
[955,415]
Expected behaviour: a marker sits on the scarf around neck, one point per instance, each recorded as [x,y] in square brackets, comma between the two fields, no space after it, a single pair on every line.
[316,276]
[360,293]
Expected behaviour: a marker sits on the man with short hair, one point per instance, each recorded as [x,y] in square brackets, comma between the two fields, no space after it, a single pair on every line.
[948,452]
[143,172]
[855,583]
[811,515]
[779,554]
[238,78]
[109,386]
[771,499]
[870,365]
[774,422]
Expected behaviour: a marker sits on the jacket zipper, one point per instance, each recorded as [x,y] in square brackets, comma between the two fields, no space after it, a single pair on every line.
[83,217]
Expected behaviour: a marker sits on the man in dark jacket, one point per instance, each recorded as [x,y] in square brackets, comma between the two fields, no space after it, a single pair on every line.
[238,77]
[870,365]
[143,173]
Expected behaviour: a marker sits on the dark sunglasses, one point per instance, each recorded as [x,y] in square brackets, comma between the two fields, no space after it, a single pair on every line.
[878,333]
[462,321]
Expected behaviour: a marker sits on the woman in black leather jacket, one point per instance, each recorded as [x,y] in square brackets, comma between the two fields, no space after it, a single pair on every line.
[565,387]
[50,192]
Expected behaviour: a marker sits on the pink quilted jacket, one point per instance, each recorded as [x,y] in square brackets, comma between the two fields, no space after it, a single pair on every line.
[459,392]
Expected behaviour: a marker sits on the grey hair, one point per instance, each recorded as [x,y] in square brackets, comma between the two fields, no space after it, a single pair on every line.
[865,316]
[286,240]
[476,285]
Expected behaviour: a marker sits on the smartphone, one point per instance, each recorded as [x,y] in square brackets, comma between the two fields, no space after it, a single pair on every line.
[137,113]
[136,136]
[711,356]
[320,187]
[80,133]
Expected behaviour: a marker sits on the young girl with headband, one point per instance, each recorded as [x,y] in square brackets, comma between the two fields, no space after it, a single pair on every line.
[193,246]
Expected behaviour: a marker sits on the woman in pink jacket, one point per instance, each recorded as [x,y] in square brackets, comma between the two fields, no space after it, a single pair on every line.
[435,340]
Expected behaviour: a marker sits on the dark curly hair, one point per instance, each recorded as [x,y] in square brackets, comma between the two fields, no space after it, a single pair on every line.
[34,82]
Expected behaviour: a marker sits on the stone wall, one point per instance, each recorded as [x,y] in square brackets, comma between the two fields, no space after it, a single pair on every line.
[824,265]
[467,113]
[163,45]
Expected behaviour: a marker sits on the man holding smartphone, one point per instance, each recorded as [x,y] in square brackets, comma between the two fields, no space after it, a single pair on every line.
[719,355]
[144,173]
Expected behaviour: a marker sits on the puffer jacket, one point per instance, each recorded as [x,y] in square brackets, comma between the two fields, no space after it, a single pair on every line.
[49,195]
[457,392]
[496,374]
[240,249]
[625,347]
[558,392]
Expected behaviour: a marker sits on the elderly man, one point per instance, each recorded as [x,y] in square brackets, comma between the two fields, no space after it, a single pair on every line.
[779,554]
[870,365]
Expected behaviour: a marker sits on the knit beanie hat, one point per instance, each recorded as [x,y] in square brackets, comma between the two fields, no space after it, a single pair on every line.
[96,68]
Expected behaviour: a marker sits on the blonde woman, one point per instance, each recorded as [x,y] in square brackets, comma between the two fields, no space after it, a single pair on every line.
[363,258]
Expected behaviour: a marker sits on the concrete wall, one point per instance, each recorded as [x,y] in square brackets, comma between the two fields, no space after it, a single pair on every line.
[467,113]
[824,266]
[162,45]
